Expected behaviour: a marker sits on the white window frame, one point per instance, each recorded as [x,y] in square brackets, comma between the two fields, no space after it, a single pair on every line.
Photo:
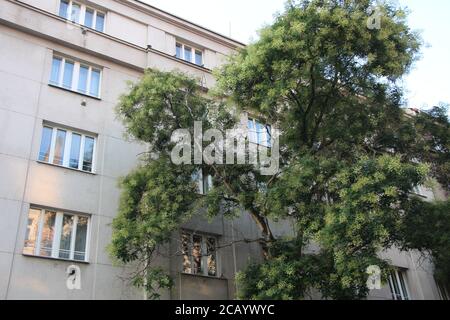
[83,9]
[76,76]
[394,278]
[193,50]
[253,136]
[204,261]
[68,147]
[201,181]
[57,234]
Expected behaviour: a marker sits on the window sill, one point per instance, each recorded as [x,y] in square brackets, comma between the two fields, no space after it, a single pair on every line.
[55,259]
[76,92]
[192,64]
[62,167]
[203,276]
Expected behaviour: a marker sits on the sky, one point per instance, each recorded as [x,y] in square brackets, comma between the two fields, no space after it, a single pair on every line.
[426,85]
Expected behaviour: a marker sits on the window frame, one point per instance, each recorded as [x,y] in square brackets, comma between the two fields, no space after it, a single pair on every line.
[204,255]
[397,279]
[75,81]
[82,17]
[193,50]
[68,148]
[253,137]
[56,240]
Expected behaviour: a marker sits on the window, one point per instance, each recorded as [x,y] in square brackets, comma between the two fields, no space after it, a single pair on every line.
[67,148]
[199,254]
[398,286]
[75,76]
[204,182]
[189,54]
[56,234]
[259,133]
[81,14]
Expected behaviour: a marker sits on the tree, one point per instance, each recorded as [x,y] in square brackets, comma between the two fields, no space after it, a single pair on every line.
[349,155]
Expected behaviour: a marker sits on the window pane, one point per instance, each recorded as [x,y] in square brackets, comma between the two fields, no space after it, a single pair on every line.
[66,236]
[63,8]
[68,73]
[185,242]
[95,82]
[32,231]
[59,147]
[179,51]
[80,239]
[187,54]
[82,80]
[75,151]
[403,285]
[211,252]
[56,68]
[75,15]
[207,183]
[251,131]
[88,154]
[198,58]
[260,131]
[89,18]
[100,22]
[48,232]
[46,141]
[197,254]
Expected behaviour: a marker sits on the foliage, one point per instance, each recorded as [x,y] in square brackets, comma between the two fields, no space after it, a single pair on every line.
[349,154]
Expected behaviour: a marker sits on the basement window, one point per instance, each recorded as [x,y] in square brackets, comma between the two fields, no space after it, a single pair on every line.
[199,253]
[56,234]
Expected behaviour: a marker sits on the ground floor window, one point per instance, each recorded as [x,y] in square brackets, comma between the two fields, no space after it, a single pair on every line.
[199,254]
[56,234]
[397,284]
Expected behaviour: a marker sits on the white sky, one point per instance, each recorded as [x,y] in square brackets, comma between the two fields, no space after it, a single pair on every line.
[428,83]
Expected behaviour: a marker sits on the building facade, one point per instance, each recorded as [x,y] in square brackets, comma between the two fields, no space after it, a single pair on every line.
[63,65]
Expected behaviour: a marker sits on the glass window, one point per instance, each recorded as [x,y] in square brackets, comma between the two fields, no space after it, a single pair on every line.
[398,286]
[61,235]
[56,69]
[46,142]
[89,18]
[47,234]
[259,133]
[75,14]
[199,254]
[64,8]
[83,78]
[80,239]
[187,54]
[75,151]
[68,74]
[32,231]
[100,22]
[66,237]
[60,142]
[95,83]
[198,58]
[179,51]
[211,253]
[88,154]
[185,241]
[55,146]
